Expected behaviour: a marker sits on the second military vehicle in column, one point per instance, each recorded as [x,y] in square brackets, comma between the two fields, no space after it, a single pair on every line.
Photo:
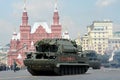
[94,62]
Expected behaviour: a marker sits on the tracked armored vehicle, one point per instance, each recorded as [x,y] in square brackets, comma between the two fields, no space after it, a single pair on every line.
[94,62]
[56,56]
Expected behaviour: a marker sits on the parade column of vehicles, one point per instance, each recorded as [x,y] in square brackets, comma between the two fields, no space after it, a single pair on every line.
[57,56]
[93,61]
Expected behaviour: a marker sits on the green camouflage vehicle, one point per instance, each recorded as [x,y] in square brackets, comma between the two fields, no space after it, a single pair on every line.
[94,62]
[56,56]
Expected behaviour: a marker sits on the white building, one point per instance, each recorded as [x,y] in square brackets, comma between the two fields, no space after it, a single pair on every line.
[84,40]
[114,42]
[97,37]
[65,35]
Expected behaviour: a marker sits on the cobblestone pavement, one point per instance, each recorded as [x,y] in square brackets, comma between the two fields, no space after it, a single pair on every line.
[102,74]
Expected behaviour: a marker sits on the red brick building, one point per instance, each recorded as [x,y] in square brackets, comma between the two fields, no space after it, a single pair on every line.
[25,39]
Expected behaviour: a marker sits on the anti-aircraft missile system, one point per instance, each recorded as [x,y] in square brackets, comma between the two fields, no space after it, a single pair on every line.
[57,56]
[94,62]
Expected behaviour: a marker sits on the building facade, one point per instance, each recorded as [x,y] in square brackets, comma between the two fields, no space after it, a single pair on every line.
[25,39]
[97,37]
[114,42]
[85,44]
[3,54]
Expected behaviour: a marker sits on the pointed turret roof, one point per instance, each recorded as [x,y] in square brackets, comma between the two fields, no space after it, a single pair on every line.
[24,15]
[55,15]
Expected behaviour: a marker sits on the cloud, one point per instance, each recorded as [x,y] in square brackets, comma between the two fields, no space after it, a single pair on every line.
[116,27]
[6,28]
[105,3]
[68,24]
[35,8]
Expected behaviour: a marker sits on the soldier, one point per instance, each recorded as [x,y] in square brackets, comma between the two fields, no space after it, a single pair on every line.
[14,65]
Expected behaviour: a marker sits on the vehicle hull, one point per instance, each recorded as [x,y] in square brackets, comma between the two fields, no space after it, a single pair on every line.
[38,67]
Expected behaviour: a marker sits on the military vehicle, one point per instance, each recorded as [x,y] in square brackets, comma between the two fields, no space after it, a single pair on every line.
[94,62]
[56,56]
[115,62]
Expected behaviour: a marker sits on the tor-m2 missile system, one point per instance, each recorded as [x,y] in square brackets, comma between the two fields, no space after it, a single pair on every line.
[94,62]
[57,56]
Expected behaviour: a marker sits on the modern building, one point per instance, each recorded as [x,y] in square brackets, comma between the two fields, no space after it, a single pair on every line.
[114,42]
[25,39]
[98,35]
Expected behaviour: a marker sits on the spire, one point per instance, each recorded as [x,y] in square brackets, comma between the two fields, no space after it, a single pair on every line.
[55,15]
[56,10]
[24,15]
[24,5]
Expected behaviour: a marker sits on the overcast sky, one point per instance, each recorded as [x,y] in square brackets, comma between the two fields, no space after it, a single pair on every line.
[75,15]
